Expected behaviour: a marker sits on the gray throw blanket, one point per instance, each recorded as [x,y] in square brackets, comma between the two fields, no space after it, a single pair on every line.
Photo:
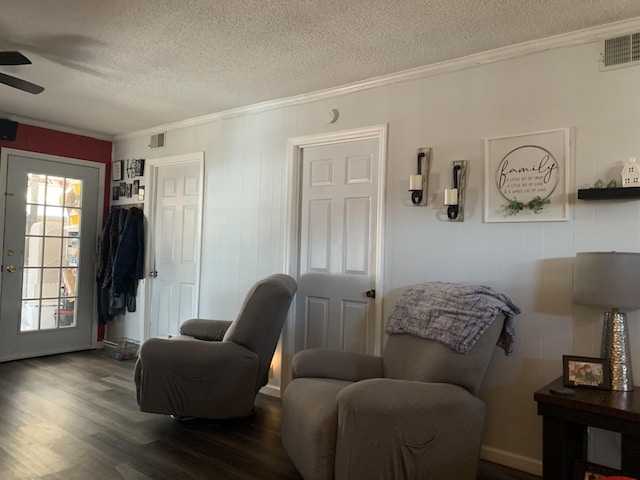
[453,314]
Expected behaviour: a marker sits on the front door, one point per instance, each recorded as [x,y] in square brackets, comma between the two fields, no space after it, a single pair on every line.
[48,258]
[176,246]
[338,223]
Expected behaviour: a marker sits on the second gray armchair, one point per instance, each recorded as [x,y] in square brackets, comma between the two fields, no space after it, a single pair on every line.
[410,414]
[215,368]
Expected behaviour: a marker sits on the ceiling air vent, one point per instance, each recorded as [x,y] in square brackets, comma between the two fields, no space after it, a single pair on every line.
[620,52]
[157,140]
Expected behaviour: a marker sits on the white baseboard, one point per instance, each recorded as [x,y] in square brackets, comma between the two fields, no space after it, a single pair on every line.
[271,390]
[511,460]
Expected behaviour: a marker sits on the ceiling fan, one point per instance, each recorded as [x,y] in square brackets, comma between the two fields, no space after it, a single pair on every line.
[16,58]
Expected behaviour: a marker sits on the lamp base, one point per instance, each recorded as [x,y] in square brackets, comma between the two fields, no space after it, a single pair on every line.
[615,347]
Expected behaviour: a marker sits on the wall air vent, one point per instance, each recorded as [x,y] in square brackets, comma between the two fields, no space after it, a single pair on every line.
[157,140]
[620,52]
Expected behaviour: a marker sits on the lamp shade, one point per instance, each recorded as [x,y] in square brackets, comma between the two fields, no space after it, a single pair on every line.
[607,279]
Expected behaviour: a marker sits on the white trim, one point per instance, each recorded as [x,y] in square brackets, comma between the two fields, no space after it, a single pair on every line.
[92,346]
[270,390]
[152,165]
[292,202]
[511,460]
[474,60]
[54,126]
[101,167]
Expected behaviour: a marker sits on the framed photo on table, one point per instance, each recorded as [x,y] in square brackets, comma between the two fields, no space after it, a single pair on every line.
[587,372]
[527,177]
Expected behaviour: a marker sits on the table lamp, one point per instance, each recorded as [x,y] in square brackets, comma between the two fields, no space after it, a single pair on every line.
[610,280]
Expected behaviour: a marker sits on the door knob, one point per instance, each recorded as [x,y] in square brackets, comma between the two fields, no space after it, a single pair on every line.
[370,293]
[11,269]
[153,273]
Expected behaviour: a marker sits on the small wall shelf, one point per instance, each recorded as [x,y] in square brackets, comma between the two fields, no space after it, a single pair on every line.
[608,193]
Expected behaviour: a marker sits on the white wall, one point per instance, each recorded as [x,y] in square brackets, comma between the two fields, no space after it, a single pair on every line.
[244,230]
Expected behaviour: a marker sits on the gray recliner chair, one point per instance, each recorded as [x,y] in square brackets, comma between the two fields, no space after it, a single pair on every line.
[411,414]
[215,368]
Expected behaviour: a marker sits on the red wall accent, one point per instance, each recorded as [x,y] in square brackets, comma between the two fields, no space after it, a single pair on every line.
[70,145]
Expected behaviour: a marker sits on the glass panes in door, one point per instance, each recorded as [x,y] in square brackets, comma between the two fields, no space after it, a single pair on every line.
[52,241]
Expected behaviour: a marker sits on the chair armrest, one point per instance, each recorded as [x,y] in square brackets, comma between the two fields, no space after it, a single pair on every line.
[184,353]
[408,398]
[324,363]
[391,428]
[212,330]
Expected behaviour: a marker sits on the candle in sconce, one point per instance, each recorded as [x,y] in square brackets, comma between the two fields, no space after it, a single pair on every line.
[451,196]
[415,182]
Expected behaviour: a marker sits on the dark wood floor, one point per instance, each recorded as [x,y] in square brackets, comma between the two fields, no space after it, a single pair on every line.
[75,416]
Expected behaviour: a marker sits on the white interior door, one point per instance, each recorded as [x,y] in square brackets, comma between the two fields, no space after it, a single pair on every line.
[338,222]
[176,247]
[48,270]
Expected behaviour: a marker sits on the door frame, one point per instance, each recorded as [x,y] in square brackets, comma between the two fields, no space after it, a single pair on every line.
[152,165]
[101,167]
[295,147]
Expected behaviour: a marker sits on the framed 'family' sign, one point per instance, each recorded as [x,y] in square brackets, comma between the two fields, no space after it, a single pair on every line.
[527,177]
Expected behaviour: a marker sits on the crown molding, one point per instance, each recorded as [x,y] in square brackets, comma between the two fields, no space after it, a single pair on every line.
[578,37]
[57,127]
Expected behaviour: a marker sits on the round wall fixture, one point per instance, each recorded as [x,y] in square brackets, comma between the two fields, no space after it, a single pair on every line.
[331,116]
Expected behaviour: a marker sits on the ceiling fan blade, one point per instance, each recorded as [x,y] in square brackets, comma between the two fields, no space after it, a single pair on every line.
[20,84]
[13,58]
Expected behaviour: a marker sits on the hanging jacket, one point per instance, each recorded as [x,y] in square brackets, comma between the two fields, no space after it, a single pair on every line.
[120,262]
[128,264]
[107,246]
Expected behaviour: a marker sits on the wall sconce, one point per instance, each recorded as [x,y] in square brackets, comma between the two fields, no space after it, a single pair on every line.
[454,197]
[418,184]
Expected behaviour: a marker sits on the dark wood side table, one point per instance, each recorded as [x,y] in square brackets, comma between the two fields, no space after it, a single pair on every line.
[565,421]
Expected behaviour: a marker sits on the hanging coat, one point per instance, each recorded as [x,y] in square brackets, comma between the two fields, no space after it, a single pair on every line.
[121,262]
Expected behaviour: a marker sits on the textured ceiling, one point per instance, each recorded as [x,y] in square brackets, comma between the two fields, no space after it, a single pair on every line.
[118,66]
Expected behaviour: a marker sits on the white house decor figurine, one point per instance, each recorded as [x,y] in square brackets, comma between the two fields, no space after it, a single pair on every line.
[631,174]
